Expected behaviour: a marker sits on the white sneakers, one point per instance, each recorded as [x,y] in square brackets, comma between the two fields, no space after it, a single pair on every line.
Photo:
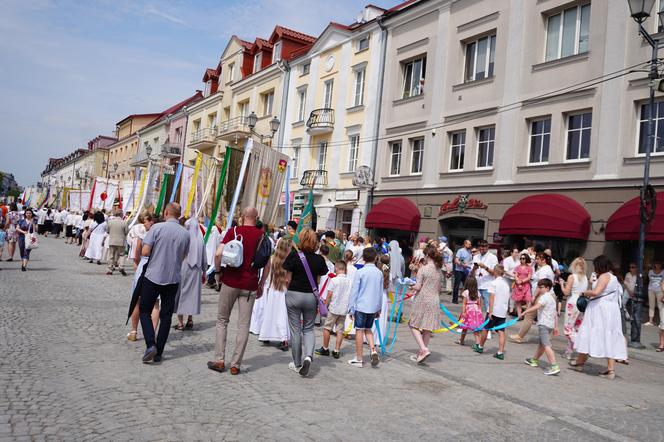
[355,362]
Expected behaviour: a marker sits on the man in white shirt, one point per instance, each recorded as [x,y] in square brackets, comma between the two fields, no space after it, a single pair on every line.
[510,264]
[41,221]
[356,247]
[483,265]
[57,222]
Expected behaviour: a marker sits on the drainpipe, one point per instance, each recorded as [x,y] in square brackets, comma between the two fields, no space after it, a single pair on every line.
[374,147]
[284,98]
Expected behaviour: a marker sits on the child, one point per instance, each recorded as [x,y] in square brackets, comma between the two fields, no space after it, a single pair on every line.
[499,299]
[471,310]
[3,237]
[338,297]
[547,324]
[365,303]
[325,252]
[384,265]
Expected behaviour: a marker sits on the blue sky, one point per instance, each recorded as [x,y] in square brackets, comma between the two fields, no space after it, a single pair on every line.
[70,70]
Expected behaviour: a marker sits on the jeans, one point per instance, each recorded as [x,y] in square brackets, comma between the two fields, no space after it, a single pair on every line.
[485,297]
[245,300]
[635,326]
[459,281]
[149,294]
[25,252]
[301,309]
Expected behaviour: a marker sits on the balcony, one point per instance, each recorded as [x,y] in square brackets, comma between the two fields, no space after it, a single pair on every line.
[321,121]
[231,130]
[171,150]
[203,138]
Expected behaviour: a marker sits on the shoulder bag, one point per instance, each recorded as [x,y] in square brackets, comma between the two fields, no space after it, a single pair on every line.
[582,301]
[31,241]
[322,308]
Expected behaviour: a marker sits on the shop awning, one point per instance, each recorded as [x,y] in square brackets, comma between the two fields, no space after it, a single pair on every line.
[394,213]
[547,214]
[624,224]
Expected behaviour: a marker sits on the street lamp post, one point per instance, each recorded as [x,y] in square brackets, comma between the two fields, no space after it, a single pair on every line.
[640,10]
[252,119]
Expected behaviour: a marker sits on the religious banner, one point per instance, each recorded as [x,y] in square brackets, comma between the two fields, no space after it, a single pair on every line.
[265,181]
[74,200]
[129,195]
[85,199]
[186,181]
[104,193]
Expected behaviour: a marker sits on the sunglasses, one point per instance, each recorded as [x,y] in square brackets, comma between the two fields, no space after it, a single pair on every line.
[522,258]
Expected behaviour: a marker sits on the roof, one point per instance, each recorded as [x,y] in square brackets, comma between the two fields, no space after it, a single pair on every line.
[401,5]
[261,43]
[280,31]
[210,74]
[176,107]
[248,46]
[135,116]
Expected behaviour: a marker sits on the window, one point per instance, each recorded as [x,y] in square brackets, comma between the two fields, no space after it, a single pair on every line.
[295,160]
[352,153]
[480,57]
[178,135]
[346,221]
[458,150]
[359,87]
[257,62]
[413,76]
[197,125]
[486,138]
[268,101]
[417,155]
[329,87]
[306,68]
[208,88]
[540,137]
[302,105]
[567,32]
[322,155]
[244,108]
[276,52]
[657,145]
[578,136]
[212,120]
[659,7]
[231,72]
[363,43]
[395,158]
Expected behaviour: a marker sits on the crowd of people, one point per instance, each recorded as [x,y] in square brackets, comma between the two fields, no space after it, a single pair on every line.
[287,281]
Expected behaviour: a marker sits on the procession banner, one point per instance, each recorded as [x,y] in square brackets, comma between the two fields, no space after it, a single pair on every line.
[187,181]
[104,192]
[129,195]
[74,200]
[45,200]
[192,190]
[220,189]
[176,183]
[265,181]
[306,220]
[162,194]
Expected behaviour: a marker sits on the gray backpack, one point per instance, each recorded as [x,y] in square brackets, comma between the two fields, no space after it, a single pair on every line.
[233,253]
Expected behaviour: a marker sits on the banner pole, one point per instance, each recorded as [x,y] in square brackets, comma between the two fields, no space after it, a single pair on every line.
[243,170]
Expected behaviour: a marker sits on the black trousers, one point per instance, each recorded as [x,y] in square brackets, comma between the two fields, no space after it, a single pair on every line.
[149,294]
[459,281]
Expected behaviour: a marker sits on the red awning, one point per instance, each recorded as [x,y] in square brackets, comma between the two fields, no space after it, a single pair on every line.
[546,215]
[394,213]
[623,225]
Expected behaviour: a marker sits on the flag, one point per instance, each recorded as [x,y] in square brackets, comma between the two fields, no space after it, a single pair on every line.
[306,220]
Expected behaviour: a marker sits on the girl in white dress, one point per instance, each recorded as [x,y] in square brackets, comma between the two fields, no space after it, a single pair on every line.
[577,283]
[274,326]
[600,335]
[384,307]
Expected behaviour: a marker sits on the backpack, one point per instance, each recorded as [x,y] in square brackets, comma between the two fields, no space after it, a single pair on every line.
[263,253]
[233,253]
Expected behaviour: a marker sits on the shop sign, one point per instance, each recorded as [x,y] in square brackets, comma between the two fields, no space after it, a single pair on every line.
[461,203]
[346,195]
[497,237]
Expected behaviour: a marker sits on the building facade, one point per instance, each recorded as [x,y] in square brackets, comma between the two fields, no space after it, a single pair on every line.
[122,152]
[332,112]
[486,103]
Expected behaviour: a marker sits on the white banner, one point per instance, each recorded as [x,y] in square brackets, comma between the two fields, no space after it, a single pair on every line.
[105,193]
[187,178]
[129,193]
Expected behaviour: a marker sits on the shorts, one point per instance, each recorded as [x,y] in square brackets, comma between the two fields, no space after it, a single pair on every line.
[364,321]
[333,320]
[495,321]
[544,335]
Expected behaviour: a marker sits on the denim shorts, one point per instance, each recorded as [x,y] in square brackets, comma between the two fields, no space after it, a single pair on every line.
[364,320]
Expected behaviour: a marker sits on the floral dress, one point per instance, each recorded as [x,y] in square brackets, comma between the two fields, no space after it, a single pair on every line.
[425,315]
[522,293]
[12,223]
[472,316]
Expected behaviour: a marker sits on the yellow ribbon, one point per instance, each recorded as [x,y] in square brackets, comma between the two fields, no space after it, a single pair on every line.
[192,191]
[446,329]
[140,192]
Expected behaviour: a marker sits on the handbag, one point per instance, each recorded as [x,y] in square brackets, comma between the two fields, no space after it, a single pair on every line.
[322,308]
[31,241]
[582,301]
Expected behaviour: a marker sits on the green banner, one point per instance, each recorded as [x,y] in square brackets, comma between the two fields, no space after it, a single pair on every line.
[220,187]
[306,220]
[162,194]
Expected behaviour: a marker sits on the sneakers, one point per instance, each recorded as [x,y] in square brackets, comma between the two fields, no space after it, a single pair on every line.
[122,272]
[533,362]
[554,370]
[335,354]
[291,366]
[323,351]
[478,349]
[516,338]
[355,362]
[374,359]
[500,356]
[304,370]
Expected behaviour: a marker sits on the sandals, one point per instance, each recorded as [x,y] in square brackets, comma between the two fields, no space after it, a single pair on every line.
[459,342]
[573,365]
[131,336]
[608,374]
[179,327]
[659,349]
[189,325]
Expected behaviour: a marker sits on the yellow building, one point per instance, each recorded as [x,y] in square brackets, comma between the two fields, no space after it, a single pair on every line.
[122,152]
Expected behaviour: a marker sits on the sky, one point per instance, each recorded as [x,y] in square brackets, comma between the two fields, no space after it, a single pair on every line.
[71,69]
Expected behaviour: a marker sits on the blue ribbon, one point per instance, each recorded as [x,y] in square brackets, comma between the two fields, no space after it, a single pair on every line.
[380,338]
[178,174]
[481,327]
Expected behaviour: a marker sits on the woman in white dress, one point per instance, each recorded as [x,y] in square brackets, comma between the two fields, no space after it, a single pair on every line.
[577,283]
[95,248]
[600,335]
[274,326]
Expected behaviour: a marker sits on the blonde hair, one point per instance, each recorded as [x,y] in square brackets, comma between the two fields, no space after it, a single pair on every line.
[308,240]
[578,267]
[278,275]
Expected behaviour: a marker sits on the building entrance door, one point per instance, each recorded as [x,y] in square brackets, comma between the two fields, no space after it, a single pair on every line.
[458,228]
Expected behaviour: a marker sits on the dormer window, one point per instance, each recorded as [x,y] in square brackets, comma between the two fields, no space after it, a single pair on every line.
[208,88]
[257,62]
[231,72]
[276,52]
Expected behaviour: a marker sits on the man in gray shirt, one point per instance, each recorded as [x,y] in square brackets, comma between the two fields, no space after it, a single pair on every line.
[167,245]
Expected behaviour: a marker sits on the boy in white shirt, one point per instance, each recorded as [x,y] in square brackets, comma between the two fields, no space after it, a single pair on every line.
[547,323]
[338,298]
[499,299]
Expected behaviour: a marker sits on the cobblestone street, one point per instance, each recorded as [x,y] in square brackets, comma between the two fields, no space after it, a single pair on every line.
[67,372]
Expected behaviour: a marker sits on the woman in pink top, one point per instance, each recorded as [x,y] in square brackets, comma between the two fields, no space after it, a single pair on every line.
[521,293]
